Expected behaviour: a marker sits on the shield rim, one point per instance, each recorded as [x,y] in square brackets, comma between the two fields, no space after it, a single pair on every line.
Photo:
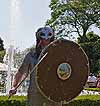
[88,69]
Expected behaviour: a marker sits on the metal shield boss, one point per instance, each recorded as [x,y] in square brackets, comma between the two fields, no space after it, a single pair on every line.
[62,74]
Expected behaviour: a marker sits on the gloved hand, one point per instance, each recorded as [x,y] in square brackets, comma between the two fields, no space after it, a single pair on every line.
[12,91]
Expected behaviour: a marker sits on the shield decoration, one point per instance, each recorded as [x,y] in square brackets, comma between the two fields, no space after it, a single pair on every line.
[62,74]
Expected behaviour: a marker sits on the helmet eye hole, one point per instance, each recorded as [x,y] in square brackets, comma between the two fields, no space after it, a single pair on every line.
[42,34]
[50,34]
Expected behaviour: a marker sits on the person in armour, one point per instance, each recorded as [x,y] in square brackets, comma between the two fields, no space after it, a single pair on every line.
[44,36]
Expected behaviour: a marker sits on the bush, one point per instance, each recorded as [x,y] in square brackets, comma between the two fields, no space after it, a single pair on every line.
[13,101]
[2,53]
[92,89]
[84,100]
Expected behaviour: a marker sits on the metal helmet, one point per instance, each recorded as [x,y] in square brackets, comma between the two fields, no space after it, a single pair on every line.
[45,33]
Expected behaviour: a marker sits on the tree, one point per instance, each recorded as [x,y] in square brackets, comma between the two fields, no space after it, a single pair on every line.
[19,56]
[92,48]
[1,44]
[2,50]
[71,16]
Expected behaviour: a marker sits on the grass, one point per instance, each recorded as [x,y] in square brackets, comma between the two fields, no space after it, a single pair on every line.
[90,97]
[92,89]
[21,98]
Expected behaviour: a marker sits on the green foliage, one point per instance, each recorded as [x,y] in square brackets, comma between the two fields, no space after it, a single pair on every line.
[93,89]
[2,51]
[88,97]
[14,101]
[74,16]
[91,46]
[85,100]
[19,56]
[19,98]
[1,44]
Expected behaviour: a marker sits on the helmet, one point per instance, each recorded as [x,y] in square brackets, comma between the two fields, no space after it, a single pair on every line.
[45,33]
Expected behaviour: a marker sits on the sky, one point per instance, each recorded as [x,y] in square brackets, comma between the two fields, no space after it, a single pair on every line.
[20,19]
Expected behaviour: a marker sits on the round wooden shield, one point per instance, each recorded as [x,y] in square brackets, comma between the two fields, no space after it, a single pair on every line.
[62,74]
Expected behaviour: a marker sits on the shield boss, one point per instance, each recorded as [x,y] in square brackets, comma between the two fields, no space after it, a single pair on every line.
[62,74]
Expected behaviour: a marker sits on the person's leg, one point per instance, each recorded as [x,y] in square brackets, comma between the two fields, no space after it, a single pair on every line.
[40,100]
